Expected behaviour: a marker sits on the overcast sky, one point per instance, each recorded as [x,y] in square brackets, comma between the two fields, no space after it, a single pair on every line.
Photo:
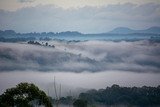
[86,16]
[15,4]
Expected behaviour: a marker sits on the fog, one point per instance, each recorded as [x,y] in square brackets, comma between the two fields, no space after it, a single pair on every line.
[79,66]
[92,56]
[77,82]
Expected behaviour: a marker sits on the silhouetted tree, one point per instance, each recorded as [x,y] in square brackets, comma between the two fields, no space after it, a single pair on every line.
[46,44]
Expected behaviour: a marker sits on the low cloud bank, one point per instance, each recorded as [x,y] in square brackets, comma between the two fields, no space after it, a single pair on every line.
[77,82]
[92,56]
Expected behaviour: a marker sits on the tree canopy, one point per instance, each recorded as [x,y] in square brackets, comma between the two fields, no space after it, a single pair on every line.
[116,95]
[24,95]
[80,103]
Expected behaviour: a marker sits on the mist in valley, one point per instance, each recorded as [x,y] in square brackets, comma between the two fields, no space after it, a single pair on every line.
[79,66]
[81,53]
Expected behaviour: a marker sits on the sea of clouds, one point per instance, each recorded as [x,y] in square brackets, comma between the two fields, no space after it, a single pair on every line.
[90,56]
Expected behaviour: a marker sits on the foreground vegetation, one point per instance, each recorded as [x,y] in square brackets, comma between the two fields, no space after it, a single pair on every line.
[24,95]
[29,95]
[116,95]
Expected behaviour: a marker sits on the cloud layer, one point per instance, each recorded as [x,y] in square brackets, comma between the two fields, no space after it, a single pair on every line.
[17,4]
[92,56]
[25,1]
[85,19]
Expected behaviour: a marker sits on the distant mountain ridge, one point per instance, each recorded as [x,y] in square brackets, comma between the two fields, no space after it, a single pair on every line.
[118,30]
[121,33]
[125,30]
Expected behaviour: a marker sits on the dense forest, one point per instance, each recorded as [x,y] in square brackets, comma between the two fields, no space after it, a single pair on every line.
[116,95]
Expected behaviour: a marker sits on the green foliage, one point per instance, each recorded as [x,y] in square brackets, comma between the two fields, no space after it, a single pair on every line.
[24,95]
[116,95]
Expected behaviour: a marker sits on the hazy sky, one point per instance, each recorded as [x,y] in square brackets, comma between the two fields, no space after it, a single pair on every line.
[15,4]
[86,16]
